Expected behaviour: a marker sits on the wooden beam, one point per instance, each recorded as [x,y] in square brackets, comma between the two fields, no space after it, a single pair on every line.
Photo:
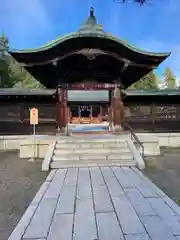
[125,66]
[116,56]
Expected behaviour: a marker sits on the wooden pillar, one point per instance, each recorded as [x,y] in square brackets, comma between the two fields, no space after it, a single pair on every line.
[109,111]
[58,109]
[117,109]
[58,115]
[62,109]
[69,114]
[110,117]
[100,113]
[91,113]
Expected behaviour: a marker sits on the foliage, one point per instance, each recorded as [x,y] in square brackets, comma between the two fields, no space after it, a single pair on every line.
[169,79]
[6,75]
[149,81]
[11,74]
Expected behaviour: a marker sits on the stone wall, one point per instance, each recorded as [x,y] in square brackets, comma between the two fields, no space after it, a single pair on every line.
[151,142]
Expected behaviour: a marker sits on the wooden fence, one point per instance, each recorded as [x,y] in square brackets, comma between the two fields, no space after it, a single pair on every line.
[14,118]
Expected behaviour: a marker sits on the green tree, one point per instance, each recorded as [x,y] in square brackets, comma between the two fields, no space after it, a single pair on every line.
[11,73]
[149,81]
[4,66]
[23,78]
[169,79]
[7,75]
[28,82]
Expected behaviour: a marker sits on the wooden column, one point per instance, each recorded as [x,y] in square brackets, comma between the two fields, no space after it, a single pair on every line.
[64,108]
[58,109]
[91,114]
[117,109]
[62,111]
[100,113]
[69,115]
[110,111]
[110,117]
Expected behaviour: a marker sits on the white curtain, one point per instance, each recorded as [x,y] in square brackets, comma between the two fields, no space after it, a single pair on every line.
[89,95]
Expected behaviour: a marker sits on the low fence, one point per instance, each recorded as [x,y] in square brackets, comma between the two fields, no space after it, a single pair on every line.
[153,117]
[14,118]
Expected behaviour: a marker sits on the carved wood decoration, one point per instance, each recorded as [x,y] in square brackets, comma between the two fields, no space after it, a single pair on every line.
[91,53]
[89,86]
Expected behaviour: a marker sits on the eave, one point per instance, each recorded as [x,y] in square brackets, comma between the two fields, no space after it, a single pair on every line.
[40,61]
[76,35]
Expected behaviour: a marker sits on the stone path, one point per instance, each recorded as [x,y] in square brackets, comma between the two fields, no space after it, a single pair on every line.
[99,204]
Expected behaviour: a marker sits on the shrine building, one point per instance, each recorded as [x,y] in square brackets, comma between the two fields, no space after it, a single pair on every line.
[82,72]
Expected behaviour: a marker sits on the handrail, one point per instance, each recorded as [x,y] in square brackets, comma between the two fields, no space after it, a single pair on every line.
[139,145]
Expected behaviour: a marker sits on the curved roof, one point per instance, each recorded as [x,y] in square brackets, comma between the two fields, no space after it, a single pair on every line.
[89,28]
[78,34]
[90,35]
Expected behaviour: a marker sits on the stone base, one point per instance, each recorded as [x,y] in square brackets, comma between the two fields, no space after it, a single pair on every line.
[117,129]
[63,131]
[34,149]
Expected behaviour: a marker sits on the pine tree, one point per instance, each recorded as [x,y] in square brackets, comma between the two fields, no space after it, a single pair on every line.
[4,68]
[11,74]
[169,79]
[151,80]
[148,81]
[7,76]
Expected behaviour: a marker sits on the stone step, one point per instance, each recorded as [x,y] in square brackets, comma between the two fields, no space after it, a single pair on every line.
[91,145]
[66,164]
[91,141]
[95,157]
[60,151]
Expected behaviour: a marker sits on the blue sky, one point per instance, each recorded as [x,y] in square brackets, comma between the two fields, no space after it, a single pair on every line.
[153,27]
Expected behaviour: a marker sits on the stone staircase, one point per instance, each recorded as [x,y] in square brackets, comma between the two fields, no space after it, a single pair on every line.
[91,152]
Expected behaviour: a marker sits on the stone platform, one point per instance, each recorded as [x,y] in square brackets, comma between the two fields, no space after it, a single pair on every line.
[99,204]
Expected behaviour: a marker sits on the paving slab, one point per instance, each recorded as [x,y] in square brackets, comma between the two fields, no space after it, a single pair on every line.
[99,203]
[66,200]
[61,227]
[102,199]
[108,226]
[55,186]
[41,221]
[84,184]
[156,228]
[139,202]
[84,221]
[137,237]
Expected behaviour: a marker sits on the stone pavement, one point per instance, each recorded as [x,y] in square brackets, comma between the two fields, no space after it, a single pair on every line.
[106,203]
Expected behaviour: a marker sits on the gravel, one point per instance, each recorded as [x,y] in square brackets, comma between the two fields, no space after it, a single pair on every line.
[19,182]
[166,172]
